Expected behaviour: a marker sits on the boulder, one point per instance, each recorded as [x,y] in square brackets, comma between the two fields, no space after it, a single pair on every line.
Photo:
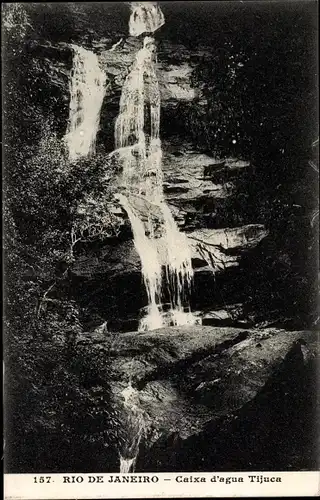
[109,261]
[222,248]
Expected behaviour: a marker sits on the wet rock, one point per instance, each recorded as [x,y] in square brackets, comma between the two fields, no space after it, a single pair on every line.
[116,62]
[232,315]
[222,248]
[175,82]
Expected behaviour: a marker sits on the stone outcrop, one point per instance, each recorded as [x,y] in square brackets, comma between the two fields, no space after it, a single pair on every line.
[220,249]
[186,379]
[174,79]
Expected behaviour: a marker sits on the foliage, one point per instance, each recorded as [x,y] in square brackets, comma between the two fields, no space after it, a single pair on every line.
[53,398]
[59,402]
[42,198]
[254,89]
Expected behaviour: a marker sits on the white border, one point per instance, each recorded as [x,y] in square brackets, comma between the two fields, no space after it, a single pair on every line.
[161,485]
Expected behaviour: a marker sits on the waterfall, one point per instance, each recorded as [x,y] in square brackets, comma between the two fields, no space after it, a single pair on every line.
[127,465]
[137,140]
[146,17]
[134,428]
[151,267]
[179,270]
[87,90]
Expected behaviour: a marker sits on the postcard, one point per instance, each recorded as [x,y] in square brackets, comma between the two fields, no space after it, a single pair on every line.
[161,320]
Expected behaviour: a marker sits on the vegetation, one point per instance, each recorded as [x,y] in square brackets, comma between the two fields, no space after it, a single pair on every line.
[52,389]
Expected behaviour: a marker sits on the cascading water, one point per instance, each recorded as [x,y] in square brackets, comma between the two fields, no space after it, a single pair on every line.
[145,17]
[179,270]
[138,143]
[87,90]
[135,428]
[164,251]
[151,267]
[126,465]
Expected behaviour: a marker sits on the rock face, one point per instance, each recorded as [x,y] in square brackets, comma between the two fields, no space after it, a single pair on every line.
[215,253]
[220,249]
[108,280]
[187,380]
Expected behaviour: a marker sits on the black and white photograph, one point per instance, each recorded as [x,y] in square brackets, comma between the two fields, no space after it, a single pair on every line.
[160,184]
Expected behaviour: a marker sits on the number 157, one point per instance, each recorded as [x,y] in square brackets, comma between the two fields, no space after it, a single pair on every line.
[42,479]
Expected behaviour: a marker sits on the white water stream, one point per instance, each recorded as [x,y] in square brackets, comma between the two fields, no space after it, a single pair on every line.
[87,90]
[151,267]
[127,465]
[146,17]
[138,143]
[135,427]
